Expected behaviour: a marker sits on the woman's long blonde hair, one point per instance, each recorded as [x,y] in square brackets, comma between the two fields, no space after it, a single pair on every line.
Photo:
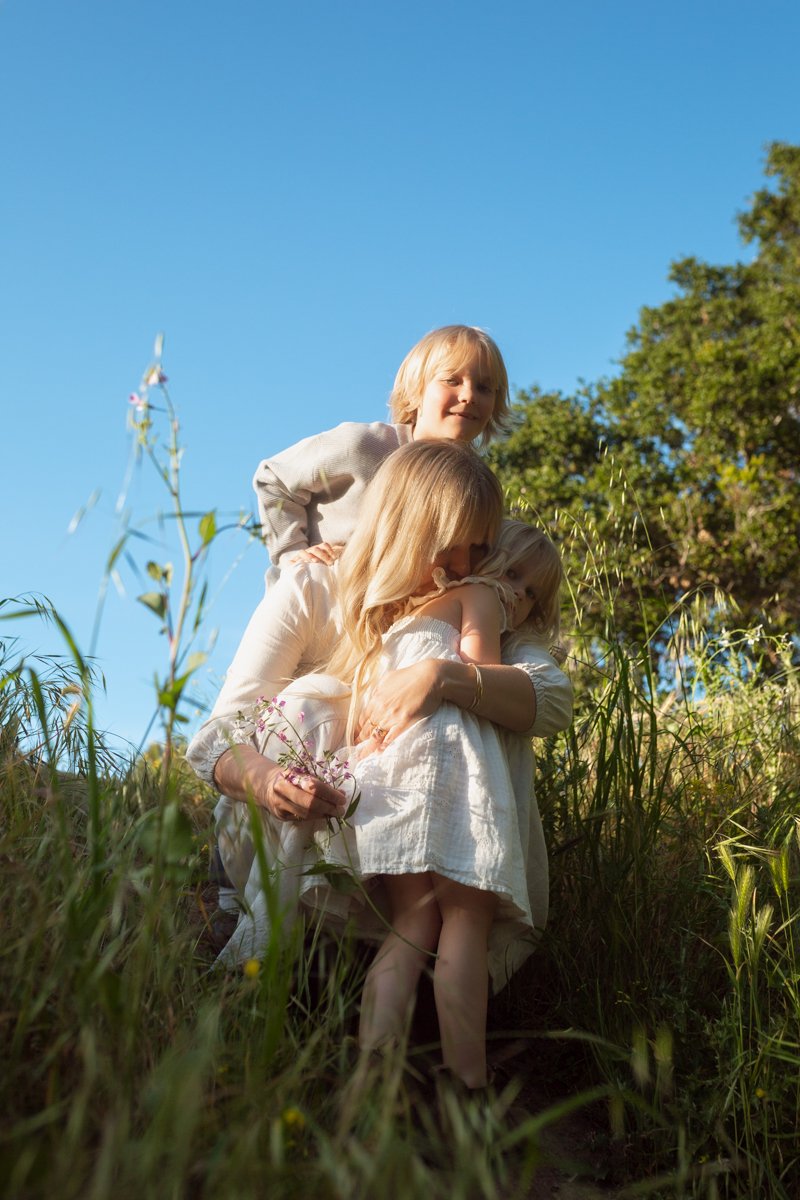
[454,347]
[519,543]
[425,498]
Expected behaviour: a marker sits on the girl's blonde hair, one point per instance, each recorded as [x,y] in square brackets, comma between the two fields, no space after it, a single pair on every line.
[519,543]
[425,498]
[454,347]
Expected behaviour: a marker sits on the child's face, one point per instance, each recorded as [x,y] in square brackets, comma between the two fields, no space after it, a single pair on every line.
[456,403]
[521,578]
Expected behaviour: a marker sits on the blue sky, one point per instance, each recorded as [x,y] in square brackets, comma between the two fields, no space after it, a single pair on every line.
[294,194]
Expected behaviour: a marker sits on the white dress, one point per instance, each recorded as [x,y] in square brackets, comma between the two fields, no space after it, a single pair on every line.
[439,798]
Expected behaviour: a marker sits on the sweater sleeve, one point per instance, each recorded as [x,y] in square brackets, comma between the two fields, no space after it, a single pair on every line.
[311,492]
[289,628]
[551,685]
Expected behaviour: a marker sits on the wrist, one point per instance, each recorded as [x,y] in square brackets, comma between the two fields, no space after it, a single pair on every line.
[243,772]
[457,683]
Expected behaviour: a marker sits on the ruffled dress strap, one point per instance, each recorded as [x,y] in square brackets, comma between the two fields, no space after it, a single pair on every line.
[442,584]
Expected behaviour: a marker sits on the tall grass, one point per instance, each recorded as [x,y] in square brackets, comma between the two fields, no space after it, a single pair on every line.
[132,1069]
[668,976]
[672,810]
[663,1000]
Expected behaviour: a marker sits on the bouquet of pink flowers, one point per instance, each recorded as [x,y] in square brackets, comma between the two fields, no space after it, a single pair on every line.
[298,758]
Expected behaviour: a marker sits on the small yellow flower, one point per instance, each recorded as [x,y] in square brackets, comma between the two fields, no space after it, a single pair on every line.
[252,967]
[292,1118]
[760,1093]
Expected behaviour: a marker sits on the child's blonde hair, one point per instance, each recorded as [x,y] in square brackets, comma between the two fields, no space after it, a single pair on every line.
[456,347]
[519,543]
[424,499]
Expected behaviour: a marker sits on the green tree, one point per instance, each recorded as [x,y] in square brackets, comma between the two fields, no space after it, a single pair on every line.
[698,433]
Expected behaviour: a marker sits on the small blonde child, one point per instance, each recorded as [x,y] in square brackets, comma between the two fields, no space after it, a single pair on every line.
[529,564]
[437,832]
[452,384]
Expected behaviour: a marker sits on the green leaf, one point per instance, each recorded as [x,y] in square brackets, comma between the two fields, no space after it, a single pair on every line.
[157,601]
[208,527]
[352,806]
[117,549]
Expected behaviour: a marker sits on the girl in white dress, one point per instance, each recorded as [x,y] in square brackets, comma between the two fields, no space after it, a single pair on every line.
[438,833]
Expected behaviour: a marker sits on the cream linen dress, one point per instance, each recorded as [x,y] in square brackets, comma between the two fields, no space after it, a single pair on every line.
[439,798]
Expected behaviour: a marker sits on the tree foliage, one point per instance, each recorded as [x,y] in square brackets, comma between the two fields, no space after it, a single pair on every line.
[685,463]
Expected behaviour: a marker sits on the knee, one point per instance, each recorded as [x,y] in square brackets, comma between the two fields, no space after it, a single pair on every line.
[421,929]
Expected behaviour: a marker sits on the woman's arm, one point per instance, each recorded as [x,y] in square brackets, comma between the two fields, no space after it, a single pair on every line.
[553,687]
[528,694]
[291,627]
[402,697]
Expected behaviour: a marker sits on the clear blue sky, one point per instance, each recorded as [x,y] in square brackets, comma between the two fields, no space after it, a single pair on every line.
[294,194]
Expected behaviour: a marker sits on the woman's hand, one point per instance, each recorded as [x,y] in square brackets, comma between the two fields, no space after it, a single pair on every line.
[324,552]
[399,699]
[241,772]
[292,797]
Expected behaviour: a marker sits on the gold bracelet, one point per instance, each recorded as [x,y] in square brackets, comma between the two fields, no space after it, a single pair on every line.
[478,688]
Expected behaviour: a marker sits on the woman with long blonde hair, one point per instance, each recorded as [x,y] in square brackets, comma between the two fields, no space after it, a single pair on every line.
[437,833]
[428,518]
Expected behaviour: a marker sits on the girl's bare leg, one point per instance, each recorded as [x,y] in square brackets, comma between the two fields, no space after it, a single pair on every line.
[461,977]
[391,984]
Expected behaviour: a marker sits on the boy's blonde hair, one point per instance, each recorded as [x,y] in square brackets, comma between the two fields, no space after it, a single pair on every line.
[519,543]
[424,499]
[456,347]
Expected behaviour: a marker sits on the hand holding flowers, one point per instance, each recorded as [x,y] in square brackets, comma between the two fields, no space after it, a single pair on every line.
[296,784]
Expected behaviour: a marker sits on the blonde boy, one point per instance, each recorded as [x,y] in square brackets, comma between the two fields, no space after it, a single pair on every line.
[452,384]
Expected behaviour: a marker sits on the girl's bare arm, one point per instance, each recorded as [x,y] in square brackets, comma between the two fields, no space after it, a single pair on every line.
[480,623]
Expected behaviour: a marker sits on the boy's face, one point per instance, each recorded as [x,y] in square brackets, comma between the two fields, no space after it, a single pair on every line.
[456,403]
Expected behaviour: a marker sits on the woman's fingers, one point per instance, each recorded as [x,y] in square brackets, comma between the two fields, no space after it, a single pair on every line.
[369,729]
[296,797]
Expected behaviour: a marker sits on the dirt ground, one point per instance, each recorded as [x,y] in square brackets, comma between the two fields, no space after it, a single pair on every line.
[571,1140]
[577,1159]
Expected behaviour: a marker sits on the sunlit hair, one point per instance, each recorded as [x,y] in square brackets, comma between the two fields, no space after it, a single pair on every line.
[425,498]
[519,544]
[452,348]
